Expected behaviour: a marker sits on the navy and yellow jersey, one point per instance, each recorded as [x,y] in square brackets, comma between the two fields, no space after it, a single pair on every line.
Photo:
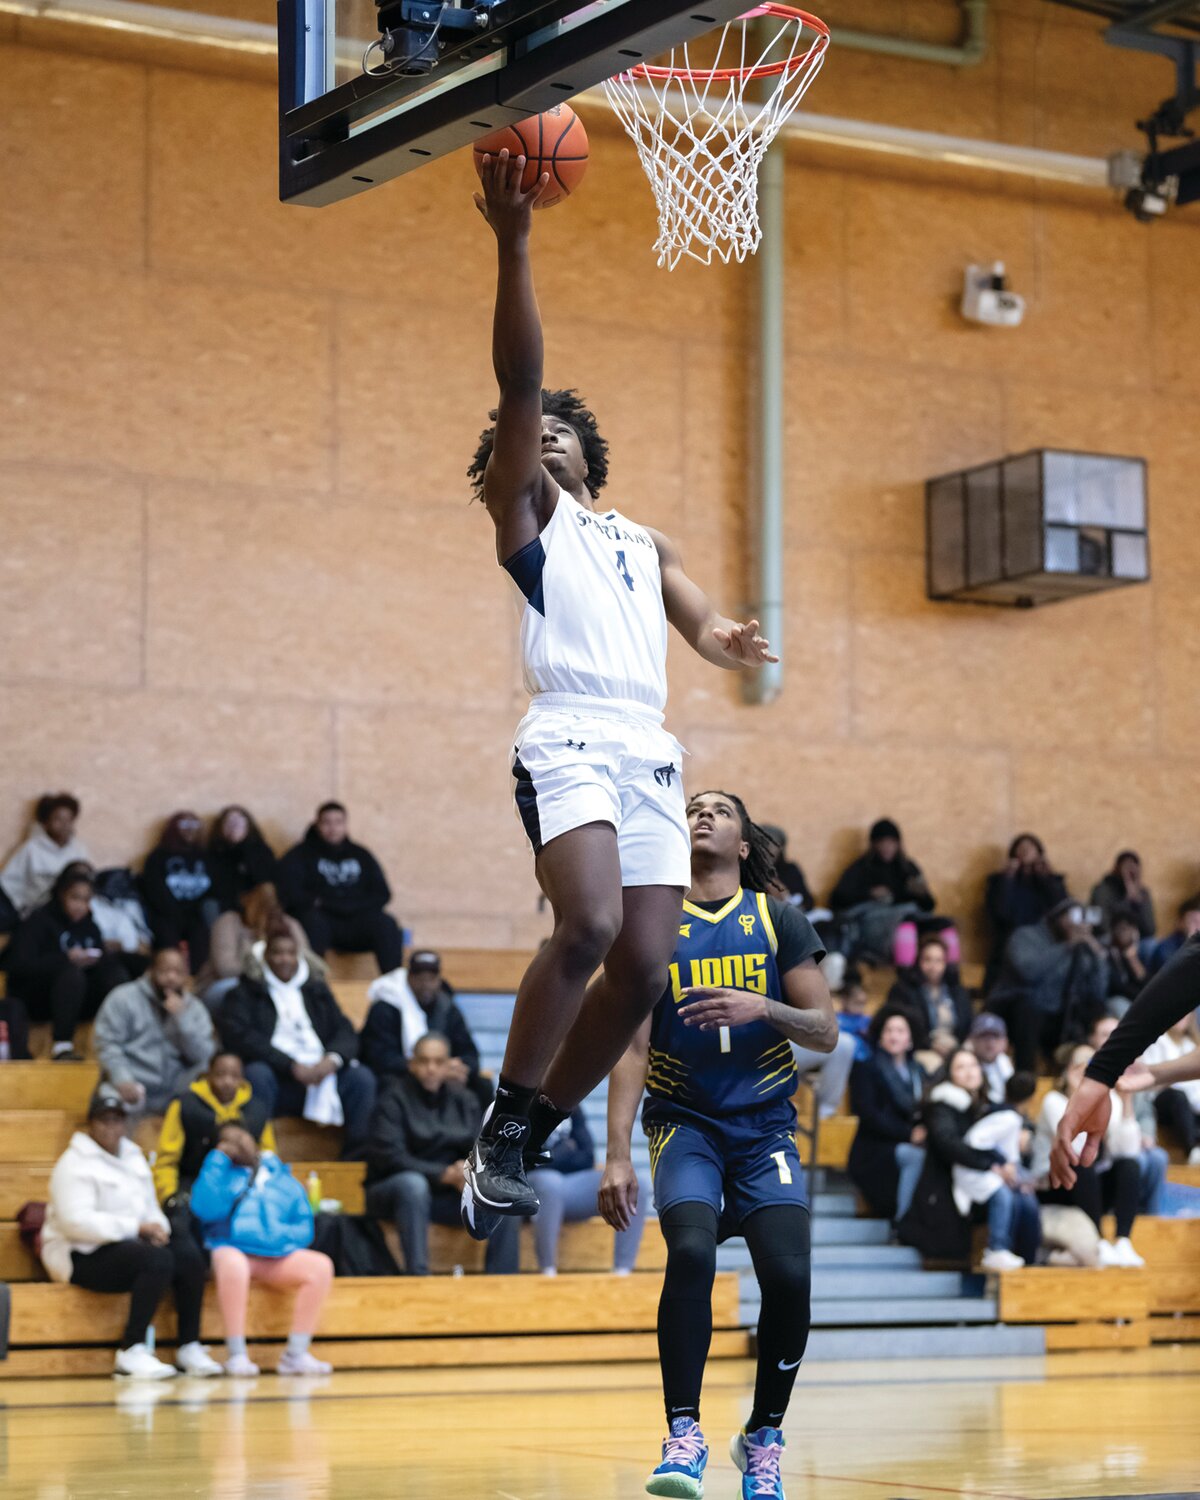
[748,943]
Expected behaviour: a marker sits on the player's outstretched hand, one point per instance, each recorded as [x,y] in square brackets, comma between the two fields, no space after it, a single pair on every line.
[504,203]
[1136,1077]
[744,645]
[711,1009]
[1088,1112]
[618,1196]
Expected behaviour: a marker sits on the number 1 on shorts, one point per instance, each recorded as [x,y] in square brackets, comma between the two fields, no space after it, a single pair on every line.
[781,1161]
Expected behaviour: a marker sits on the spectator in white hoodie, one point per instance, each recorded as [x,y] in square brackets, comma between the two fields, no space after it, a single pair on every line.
[36,864]
[1113,1184]
[105,1232]
[1177,1107]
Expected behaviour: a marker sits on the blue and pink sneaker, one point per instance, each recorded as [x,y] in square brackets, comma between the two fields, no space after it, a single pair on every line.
[684,1455]
[758,1455]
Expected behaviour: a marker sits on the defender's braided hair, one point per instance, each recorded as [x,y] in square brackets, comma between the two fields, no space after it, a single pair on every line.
[758,868]
[567,406]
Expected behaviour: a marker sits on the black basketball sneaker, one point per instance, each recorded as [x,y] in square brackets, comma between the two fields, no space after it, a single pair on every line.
[495,1173]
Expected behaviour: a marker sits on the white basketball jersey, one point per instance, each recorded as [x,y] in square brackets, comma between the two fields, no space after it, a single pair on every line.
[593,623]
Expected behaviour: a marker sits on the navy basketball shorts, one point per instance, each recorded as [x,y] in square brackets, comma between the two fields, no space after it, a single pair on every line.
[737,1164]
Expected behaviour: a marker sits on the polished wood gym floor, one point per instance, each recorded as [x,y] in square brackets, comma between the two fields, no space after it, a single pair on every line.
[1093,1424]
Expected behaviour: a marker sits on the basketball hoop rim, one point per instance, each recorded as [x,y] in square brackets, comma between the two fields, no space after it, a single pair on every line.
[745,75]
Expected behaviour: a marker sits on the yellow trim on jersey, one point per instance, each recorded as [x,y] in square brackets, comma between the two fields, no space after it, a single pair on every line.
[714,916]
[764,912]
[658,1145]
[780,1049]
[783,1072]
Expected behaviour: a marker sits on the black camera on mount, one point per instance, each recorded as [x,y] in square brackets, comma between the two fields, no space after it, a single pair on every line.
[413,32]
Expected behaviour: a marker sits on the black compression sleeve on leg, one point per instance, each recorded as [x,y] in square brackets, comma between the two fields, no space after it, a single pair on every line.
[779,1238]
[685,1307]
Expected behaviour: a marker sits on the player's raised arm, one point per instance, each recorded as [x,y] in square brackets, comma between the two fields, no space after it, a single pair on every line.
[516,489]
[626,1083]
[724,642]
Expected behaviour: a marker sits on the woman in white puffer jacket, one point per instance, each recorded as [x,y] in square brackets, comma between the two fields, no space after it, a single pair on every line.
[1113,1185]
[105,1232]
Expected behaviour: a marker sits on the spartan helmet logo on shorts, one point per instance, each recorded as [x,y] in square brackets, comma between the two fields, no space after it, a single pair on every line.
[665,774]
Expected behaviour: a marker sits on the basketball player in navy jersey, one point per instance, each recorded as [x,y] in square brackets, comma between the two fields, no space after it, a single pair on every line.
[596,776]
[716,1062]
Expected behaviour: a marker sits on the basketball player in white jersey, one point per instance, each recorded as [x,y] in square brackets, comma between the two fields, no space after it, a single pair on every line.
[597,778]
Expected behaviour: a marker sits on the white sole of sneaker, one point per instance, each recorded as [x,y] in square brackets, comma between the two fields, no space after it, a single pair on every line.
[677,1485]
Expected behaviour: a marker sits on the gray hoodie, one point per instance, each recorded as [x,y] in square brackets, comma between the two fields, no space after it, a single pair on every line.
[138,1041]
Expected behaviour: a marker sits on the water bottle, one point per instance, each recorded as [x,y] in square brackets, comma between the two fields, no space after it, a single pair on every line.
[5,1047]
[458,1271]
[151,1336]
[313,1184]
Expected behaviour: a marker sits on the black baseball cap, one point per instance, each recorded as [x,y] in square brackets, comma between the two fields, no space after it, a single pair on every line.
[425,961]
[106,1100]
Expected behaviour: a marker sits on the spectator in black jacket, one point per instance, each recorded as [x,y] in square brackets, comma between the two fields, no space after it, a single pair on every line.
[1121,891]
[877,892]
[1127,974]
[1020,895]
[178,890]
[338,892]
[58,965]
[239,858]
[789,874]
[190,1126]
[888,1152]
[933,999]
[404,1006]
[421,1132]
[1052,985]
[299,1049]
[568,1188]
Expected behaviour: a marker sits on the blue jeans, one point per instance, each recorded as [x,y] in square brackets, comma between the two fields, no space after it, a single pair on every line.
[1152,1178]
[285,1096]
[910,1160]
[1014,1223]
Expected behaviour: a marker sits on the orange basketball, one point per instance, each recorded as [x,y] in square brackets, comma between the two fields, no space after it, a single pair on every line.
[554,142]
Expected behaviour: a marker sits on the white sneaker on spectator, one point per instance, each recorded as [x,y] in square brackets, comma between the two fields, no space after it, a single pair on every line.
[137,1363]
[1194,1157]
[1106,1255]
[1061,1258]
[194,1359]
[1125,1255]
[302,1364]
[1001,1260]
[241,1367]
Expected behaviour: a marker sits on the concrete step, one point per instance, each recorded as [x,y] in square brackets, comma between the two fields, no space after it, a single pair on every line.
[885,1284]
[734,1256]
[835,1206]
[837,1229]
[984,1342]
[839,1312]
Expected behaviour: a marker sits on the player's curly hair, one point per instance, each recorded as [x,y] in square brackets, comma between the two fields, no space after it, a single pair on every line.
[569,408]
[757,870]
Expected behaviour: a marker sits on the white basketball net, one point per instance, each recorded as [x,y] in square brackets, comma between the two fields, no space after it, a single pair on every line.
[701,141]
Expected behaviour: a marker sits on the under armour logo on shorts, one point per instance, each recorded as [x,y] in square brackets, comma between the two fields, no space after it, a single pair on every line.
[664,775]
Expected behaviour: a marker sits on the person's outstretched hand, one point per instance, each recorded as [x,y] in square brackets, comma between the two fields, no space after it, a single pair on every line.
[503,202]
[744,645]
[1087,1113]
[618,1196]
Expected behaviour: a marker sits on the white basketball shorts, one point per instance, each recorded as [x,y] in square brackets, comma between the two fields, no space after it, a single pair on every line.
[588,760]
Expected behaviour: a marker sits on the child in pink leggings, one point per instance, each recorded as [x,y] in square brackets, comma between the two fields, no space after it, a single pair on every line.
[258,1225]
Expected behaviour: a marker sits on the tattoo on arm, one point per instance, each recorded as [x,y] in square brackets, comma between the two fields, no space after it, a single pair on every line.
[816,1029]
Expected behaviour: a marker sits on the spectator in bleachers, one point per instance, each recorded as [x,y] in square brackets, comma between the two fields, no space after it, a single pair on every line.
[568,1189]
[153,1037]
[939,1220]
[57,964]
[29,875]
[421,1132]
[14,1030]
[239,859]
[1121,892]
[853,1011]
[404,1006]
[788,874]
[238,941]
[931,995]
[1153,1161]
[1052,985]
[299,1050]
[1113,1184]
[338,891]
[888,1150]
[189,1128]
[259,1226]
[1187,925]
[1177,1107]
[1127,974]
[1020,895]
[177,885]
[988,1040]
[118,912]
[877,892]
[105,1231]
